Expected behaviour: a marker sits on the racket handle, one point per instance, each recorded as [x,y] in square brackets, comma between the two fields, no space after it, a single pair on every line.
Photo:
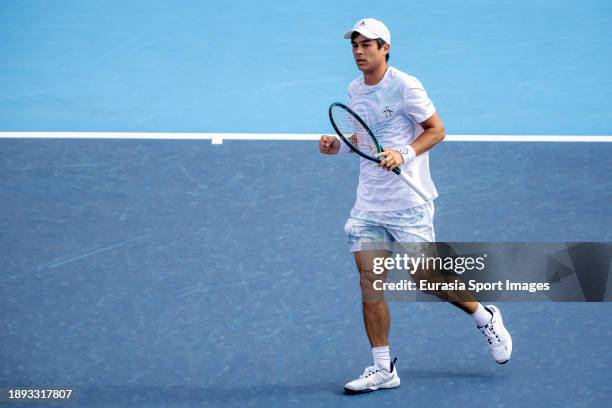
[413,186]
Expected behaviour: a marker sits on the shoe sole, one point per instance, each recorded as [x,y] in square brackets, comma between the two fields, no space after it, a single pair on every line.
[367,390]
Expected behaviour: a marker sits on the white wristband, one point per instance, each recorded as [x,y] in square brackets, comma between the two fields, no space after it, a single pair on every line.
[408,153]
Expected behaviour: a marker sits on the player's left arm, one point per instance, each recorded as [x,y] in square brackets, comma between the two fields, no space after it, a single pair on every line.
[433,133]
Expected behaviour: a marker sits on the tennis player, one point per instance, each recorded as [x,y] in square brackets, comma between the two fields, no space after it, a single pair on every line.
[398,110]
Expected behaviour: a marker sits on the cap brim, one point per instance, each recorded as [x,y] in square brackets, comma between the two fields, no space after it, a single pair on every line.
[365,33]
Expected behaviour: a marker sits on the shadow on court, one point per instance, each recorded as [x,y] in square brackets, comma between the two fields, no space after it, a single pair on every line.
[223,395]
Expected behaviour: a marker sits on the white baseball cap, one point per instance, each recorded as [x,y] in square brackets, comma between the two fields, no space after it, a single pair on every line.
[372,29]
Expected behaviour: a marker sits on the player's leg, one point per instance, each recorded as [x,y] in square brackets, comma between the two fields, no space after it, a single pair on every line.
[369,242]
[376,317]
[413,228]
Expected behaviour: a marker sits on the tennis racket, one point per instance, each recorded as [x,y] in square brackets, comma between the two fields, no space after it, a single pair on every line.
[357,135]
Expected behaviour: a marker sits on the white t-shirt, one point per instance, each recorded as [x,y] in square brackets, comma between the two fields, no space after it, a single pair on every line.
[392,109]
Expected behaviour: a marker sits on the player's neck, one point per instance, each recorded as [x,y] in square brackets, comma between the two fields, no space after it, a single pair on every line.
[376,75]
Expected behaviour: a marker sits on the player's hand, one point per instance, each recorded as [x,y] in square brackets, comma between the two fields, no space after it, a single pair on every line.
[329,144]
[390,159]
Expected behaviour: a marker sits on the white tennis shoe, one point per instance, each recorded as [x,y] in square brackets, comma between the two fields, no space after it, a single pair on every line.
[496,334]
[373,378]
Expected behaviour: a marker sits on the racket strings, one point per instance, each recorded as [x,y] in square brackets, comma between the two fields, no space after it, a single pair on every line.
[353,130]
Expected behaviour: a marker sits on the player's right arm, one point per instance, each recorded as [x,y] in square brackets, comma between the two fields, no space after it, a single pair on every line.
[329,144]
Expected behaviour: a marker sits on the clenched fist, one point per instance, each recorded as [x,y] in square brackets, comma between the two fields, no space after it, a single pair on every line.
[329,144]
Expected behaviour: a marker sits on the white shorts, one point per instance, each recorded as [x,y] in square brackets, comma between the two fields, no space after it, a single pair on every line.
[374,230]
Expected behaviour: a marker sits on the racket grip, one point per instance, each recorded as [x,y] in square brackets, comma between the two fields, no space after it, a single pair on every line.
[426,197]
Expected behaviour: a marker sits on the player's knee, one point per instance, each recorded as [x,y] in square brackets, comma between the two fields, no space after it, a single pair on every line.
[418,276]
[366,281]
[370,284]
[421,278]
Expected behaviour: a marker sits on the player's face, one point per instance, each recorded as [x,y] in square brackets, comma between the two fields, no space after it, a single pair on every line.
[368,56]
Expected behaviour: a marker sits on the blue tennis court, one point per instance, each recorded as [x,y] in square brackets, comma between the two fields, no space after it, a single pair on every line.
[183,273]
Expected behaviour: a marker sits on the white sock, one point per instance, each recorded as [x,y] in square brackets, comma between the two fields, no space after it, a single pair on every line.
[382,357]
[482,316]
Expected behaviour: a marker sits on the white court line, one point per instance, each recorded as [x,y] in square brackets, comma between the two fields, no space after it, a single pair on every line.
[218,138]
